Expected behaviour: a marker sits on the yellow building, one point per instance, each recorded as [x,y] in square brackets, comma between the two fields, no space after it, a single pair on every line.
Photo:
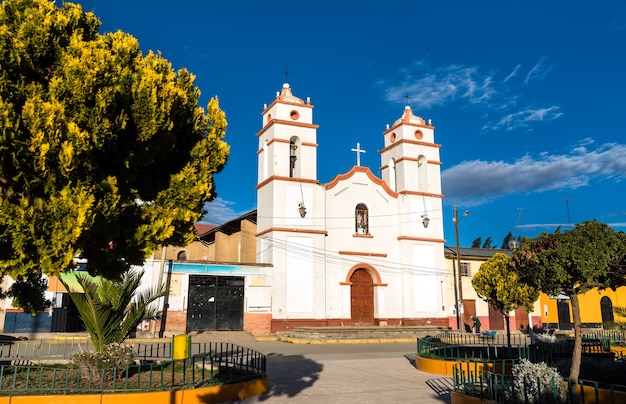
[596,309]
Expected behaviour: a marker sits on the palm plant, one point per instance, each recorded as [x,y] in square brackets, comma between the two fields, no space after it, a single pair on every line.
[110,310]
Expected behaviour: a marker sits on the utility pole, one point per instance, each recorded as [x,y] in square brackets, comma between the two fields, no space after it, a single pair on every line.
[458,296]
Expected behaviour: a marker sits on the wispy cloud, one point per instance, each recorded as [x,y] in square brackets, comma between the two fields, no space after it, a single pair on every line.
[428,87]
[512,74]
[220,211]
[538,72]
[524,117]
[476,182]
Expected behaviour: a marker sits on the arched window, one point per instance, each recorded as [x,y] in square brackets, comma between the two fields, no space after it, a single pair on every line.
[422,175]
[606,309]
[182,256]
[361,222]
[392,175]
[265,161]
[294,154]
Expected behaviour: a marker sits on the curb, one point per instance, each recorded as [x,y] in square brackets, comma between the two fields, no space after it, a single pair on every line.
[343,341]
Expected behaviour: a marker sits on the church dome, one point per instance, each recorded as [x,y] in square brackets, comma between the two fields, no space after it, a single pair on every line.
[287,96]
[409,117]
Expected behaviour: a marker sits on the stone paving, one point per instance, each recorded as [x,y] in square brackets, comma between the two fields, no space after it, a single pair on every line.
[346,373]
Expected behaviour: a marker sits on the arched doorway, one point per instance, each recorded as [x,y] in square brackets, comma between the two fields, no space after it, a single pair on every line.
[606,308]
[361,298]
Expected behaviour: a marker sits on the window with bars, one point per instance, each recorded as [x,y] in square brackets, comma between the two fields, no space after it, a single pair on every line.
[465,269]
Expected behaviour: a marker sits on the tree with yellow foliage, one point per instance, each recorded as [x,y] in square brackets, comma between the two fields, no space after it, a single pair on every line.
[498,284]
[104,151]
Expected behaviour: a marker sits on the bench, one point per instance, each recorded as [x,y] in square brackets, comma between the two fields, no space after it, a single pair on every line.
[488,335]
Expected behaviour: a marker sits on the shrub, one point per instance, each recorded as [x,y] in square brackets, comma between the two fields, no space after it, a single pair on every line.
[114,356]
[536,383]
[546,338]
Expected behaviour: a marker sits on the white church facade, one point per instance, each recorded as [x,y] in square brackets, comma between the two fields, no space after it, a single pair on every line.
[359,250]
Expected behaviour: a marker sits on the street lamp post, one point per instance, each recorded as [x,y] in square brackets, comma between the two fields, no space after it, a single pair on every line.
[458,296]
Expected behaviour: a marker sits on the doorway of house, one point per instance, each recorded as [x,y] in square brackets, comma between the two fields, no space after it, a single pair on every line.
[469,311]
[521,319]
[562,308]
[361,298]
[496,319]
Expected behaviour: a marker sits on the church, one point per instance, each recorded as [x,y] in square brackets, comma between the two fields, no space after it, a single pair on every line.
[358,250]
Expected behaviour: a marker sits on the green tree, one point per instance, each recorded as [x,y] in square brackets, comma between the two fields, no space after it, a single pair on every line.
[498,284]
[477,242]
[110,310]
[487,243]
[104,152]
[589,256]
[507,239]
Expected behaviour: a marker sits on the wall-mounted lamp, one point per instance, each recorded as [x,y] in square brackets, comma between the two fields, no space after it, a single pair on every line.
[302,209]
[425,220]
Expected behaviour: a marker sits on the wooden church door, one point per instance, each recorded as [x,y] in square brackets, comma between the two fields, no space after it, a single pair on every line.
[362,298]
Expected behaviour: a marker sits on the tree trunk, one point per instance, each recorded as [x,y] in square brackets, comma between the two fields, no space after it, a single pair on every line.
[508,335]
[574,371]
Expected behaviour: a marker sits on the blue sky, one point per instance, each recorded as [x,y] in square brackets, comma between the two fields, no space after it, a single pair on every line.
[528,98]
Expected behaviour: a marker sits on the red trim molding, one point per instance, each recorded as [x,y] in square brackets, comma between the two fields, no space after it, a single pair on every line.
[368,268]
[421,194]
[288,123]
[290,230]
[413,142]
[434,240]
[288,179]
[366,171]
[363,254]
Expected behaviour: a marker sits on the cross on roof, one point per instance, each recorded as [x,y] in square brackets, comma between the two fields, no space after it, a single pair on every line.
[358,153]
[286,73]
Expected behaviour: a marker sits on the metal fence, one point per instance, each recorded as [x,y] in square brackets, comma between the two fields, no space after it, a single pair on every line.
[454,346]
[615,337]
[208,363]
[496,387]
[483,340]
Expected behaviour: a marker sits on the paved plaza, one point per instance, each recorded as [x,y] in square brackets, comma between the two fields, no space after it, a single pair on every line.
[342,373]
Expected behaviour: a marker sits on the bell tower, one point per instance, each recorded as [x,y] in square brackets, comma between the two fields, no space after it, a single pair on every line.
[410,157]
[287,142]
[412,168]
[287,164]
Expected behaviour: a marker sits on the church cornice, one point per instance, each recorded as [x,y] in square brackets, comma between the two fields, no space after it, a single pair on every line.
[363,254]
[432,240]
[417,193]
[405,122]
[288,179]
[290,230]
[288,123]
[295,104]
[366,171]
[309,144]
[433,162]
[413,142]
